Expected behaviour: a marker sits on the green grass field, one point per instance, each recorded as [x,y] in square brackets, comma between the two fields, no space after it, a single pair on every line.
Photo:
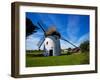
[36,59]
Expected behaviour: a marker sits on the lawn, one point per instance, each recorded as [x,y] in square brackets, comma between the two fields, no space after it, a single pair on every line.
[34,59]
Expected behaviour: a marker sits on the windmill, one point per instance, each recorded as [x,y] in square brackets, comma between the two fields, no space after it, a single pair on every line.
[51,41]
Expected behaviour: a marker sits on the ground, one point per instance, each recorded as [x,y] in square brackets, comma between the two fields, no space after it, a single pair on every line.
[36,59]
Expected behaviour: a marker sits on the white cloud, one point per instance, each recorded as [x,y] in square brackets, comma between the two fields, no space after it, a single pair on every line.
[65,45]
[73,28]
[83,38]
[31,42]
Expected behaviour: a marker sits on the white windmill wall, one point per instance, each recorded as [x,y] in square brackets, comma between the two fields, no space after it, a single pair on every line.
[53,44]
[50,44]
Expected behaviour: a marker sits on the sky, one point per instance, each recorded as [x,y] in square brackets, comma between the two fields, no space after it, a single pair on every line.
[74,28]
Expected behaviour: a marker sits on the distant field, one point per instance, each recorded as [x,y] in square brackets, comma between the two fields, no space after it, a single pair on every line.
[35,58]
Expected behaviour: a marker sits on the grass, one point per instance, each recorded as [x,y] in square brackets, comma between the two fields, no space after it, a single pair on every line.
[36,59]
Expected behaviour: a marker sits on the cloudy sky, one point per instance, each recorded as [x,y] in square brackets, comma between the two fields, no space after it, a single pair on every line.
[74,28]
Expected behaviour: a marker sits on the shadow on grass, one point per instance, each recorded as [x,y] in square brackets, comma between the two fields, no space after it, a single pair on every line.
[41,55]
[35,55]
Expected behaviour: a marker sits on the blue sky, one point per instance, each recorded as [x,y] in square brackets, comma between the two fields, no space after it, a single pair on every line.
[72,27]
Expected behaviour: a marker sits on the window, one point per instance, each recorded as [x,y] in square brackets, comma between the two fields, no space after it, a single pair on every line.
[47,43]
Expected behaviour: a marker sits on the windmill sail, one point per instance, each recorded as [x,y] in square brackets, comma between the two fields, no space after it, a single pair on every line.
[43,38]
[41,42]
[42,28]
[69,42]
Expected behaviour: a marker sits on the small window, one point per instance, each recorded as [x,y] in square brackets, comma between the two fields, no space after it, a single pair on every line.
[47,43]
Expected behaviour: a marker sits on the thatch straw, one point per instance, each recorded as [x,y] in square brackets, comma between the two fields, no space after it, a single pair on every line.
[52,31]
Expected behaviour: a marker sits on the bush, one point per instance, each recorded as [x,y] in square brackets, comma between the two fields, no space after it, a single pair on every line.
[84,46]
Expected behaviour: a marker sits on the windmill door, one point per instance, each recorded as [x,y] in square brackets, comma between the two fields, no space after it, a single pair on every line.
[51,52]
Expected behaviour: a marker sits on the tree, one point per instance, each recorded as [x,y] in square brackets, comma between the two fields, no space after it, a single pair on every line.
[30,27]
[69,51]
[84,46]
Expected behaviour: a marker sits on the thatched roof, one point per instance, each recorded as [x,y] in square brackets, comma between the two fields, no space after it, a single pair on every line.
[52,31]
